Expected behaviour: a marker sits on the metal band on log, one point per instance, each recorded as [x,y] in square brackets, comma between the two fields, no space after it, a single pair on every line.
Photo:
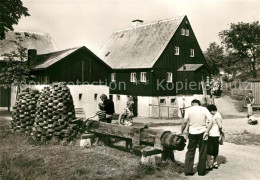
[153,137]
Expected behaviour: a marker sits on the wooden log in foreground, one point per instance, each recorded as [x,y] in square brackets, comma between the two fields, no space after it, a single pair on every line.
[138,135]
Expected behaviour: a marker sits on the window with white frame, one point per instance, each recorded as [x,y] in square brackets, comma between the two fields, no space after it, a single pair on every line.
[113,77]
[191,52]
[133,77]
[183,31]
[143,77]
[187,32]
[176,50]
[169,77]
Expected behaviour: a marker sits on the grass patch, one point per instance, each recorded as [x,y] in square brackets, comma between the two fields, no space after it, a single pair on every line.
[22,158]
[244,138]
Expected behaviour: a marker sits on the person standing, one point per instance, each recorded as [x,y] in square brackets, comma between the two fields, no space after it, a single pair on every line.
[199,121]
[108,107]
[249,101]
[214,136]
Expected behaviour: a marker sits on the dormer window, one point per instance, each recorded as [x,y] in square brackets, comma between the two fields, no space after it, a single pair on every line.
[191,52]
[176,50]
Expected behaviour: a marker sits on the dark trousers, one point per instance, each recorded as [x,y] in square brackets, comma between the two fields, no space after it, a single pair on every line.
[194,140]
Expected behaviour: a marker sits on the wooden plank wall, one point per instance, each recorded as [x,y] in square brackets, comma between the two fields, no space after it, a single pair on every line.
[256,92]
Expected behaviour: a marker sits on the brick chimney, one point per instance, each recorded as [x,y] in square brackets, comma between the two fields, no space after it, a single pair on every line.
[32,53]
[137,22]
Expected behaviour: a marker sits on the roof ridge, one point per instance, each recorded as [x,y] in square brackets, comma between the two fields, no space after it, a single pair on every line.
[159,21]
[62,50]
[22,31]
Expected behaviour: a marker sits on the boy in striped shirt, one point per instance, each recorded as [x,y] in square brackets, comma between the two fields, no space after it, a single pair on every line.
[101,113]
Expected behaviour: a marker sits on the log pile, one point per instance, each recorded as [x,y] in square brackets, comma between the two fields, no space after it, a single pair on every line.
[54,114]
[24,111]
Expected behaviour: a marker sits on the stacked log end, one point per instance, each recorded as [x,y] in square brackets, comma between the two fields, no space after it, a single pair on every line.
[23,113]
[54,114]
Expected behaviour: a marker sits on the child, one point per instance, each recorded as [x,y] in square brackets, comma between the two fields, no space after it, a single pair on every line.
[252,120]
[126,117]
[101,113]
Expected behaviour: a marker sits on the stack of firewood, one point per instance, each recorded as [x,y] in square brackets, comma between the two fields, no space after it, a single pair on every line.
[54,115]
[24,111]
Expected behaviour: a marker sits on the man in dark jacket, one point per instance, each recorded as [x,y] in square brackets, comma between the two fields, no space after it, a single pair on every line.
[109,107]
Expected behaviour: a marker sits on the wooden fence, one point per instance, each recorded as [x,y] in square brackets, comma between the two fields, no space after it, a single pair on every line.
[240,93]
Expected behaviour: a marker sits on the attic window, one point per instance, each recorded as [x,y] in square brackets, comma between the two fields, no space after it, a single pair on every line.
[122,36]
[107,53]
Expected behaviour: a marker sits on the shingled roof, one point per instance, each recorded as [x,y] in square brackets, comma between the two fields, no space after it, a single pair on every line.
[43,61]
[138,47]
[42,42]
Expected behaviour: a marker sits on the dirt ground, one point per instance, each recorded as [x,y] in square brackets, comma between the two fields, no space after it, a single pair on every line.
[236,161]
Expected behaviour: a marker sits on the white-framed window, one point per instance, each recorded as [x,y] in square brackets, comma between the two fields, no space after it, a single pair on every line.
[133,77]
[191,52]
[143,77]
[183,31]
[169,77]
[162,101]
[187,32]
[176,50]
[113,77]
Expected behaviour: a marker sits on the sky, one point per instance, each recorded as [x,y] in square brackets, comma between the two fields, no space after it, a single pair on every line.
[74,23]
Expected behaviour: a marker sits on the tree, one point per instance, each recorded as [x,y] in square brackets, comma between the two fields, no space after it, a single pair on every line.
[214,57]
[10,13]
[16,72]
[243,39]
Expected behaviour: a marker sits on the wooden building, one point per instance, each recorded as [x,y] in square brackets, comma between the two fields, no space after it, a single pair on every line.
[155,60]
[42,42]
[76,66]
[159,53]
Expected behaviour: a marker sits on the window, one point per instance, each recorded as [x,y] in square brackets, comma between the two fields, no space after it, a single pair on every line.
[80,96]
[133,77]
[173,101]
[191,52]
[182,31]
[143,77]
[113,77]
[169,77]
[176,50]
[95,96]
[187,32]
[118,97]
[162,101]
